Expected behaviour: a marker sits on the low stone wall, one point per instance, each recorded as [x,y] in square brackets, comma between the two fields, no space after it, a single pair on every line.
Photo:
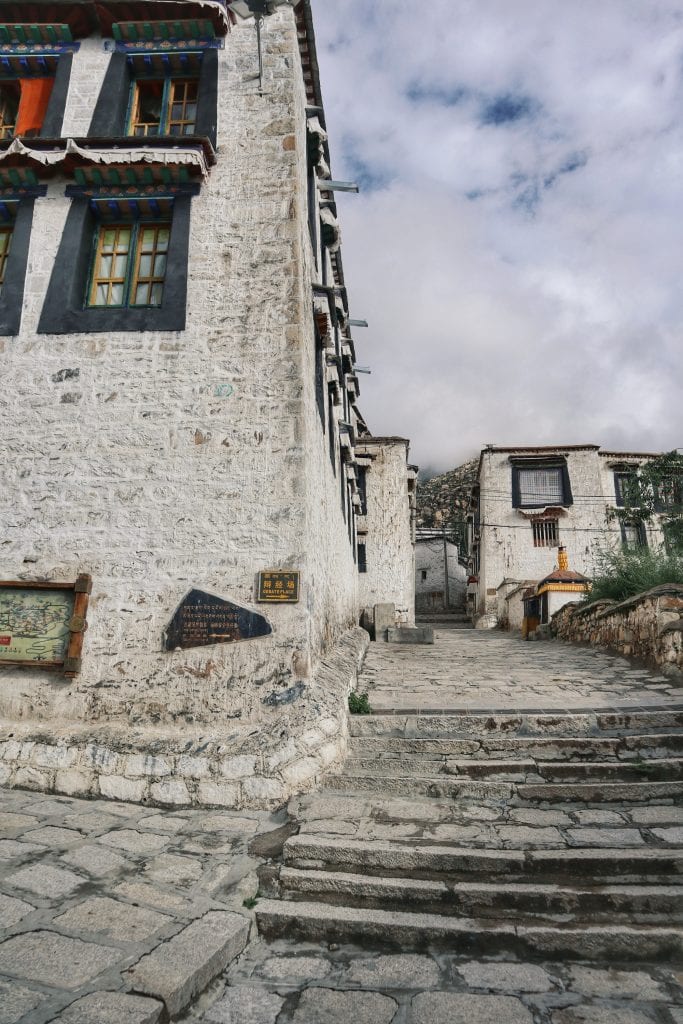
[259,766]
[648,626]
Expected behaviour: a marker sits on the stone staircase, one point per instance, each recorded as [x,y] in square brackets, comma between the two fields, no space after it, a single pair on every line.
[524,834]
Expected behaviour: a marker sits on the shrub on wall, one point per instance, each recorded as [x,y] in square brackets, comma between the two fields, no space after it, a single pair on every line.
[626,572]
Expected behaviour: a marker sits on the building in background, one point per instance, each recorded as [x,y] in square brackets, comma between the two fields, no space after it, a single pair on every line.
[440,579]
[180,417]
[529,500]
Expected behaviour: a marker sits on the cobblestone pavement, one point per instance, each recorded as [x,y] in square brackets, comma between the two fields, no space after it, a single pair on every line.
[483,669]
[305,983]
[90,889]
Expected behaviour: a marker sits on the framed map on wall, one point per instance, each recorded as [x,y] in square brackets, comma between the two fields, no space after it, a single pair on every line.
[42,624]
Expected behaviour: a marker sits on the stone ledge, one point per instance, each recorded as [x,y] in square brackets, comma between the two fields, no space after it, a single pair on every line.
[248,767]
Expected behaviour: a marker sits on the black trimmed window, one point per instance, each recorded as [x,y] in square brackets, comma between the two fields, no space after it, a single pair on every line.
[536,483]
[129,264]
[163,106]
[362,476]
[10,97]
[33,93]
[622,479]
[138,284]
[633,534]
[16,217]
[362,556]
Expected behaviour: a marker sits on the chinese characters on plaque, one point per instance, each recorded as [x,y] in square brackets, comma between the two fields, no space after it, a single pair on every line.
[274,585]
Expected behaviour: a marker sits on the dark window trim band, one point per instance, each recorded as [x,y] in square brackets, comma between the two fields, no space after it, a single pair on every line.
[12,295]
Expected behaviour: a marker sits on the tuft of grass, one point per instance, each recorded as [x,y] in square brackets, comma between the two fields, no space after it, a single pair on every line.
[359,704]
[625,572]
[251,901]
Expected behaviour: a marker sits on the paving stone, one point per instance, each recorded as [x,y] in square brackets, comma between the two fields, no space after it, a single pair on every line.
[96,860]
[399,971]
[164,822]
[15,1001]
[44,880]
[669,835]
[597,816]
[13,849]
[112,1008]
[119,921]
[91,821]
[531,816]
[53,836]
[463,1008]
[12,911]
[160,899]
[610,837]
[173,870]
[177,970]
[11,819]
[506,977]
[327,1006]
[246,1005]
[52,807]
[613,984]
[227,823]
[133,841]
[280,968]
[521,835]
[655,815]
[57,960]
[601,1015]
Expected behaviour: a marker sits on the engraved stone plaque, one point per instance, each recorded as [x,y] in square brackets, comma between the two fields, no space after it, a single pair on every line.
[202,619]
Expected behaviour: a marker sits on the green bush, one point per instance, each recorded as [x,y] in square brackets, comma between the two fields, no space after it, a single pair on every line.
[625,572]
[358,704]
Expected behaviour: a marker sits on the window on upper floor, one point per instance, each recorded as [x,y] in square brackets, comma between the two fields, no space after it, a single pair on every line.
[23,105]
[129,264]
[545,533]
[6,232]
[535,484]
[622,479]
[163,106]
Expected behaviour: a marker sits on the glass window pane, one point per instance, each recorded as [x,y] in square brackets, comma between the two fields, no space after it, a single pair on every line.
[163,236]
[147,238]
[108,239]
[105,266]
[145,268]
[120,266]
[155,297]
[116,295]
[141,295]
[540,486]
[101,295]
[160,265]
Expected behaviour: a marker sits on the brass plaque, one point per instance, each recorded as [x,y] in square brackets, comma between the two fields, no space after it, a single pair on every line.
[282,587]
[42,624]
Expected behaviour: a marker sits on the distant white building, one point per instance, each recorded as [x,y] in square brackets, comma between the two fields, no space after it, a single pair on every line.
[440,579]
[530,500]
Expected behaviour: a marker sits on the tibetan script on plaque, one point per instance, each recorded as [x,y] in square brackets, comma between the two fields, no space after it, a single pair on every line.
[274,585]
[202,619]
[42,624]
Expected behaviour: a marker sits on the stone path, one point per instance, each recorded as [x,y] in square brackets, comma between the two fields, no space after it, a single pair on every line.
[100,899]
[490,851]
[481,669]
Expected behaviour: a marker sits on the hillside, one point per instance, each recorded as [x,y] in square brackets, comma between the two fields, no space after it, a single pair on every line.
[442,500]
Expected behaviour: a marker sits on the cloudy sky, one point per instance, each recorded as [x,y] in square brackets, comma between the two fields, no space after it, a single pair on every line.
[517,244]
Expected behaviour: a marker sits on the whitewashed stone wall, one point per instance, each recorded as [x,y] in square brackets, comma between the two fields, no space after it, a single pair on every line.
[432,555]
[507,549]
[183,459]
[390,576]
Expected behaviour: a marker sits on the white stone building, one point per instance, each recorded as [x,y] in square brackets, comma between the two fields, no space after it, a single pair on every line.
[529,500]
[179,403]
[440,579]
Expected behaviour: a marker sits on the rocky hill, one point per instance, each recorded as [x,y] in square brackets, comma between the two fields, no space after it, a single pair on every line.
[442,500]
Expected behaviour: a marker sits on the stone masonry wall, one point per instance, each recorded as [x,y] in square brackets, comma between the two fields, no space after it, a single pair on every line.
[649,627]
[183,459]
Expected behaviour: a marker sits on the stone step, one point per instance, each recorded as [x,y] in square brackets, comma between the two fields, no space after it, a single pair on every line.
[443,786]
[520,770]
[545,748]
[426,860]
[319,922]
[477,725]
[639,903]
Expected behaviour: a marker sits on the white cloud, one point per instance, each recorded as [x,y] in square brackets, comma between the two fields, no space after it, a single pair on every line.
[549,307]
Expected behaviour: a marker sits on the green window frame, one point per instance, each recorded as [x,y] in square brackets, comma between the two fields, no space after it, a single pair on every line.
[128,266]
[163,106]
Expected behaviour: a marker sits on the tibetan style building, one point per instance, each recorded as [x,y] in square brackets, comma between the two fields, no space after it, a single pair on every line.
[182,451]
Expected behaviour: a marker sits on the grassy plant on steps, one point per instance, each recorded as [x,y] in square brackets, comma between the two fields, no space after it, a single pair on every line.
[359,704]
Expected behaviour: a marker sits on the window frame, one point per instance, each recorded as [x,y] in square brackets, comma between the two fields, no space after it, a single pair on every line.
[522,465]
[545,531]
[64,310]
[12,291]
[167,102]
[131,279]
[641,534]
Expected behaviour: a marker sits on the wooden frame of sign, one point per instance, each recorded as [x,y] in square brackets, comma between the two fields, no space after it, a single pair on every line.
[54,640]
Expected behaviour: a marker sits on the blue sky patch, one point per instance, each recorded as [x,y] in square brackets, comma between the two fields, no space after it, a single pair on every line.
[508,108]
